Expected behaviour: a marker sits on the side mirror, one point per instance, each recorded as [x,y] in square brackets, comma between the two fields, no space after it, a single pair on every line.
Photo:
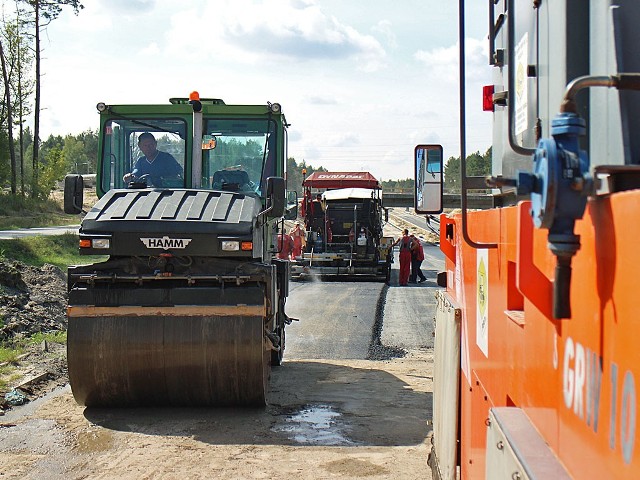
[73,194]
[291,212]
[428,179]
[275,197]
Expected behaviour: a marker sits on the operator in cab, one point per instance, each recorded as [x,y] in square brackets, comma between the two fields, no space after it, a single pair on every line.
[157,165]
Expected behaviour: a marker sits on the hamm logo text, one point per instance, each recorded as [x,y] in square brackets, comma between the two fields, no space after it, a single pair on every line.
[166,243]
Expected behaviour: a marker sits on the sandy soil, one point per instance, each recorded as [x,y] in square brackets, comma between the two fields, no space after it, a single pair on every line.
[325,419]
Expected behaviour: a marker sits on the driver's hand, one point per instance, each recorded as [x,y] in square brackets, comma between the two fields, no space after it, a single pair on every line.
[128,177]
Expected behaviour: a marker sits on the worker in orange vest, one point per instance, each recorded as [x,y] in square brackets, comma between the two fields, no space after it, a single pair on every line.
[298,235]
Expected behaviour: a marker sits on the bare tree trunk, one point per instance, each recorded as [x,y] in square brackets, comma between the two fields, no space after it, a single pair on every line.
[36,110]
[21,141]
[7,88]
[20,115]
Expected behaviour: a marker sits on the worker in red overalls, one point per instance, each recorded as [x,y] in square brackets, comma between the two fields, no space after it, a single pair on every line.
[298,235]
[405,257]
[285,246]
[417,257]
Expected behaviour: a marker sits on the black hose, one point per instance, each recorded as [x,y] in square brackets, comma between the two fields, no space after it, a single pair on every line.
[562,289]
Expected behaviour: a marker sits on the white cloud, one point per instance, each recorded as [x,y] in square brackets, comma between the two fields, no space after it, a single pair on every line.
[321,100]
[150,50]
[253,32]
[135,6]
[442,62]
[385,29]
[345,140]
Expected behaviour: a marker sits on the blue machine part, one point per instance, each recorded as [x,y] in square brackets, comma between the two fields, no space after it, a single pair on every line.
[559,188]
[560,180]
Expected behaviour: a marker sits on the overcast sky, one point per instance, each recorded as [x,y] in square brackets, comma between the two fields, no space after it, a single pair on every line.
[361,81]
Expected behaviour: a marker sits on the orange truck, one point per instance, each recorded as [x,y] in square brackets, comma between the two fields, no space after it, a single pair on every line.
[536,357]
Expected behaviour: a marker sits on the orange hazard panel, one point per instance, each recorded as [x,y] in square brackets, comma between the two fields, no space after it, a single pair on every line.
[576,379]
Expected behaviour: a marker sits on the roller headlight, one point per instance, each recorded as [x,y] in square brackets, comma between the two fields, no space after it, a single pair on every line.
[230,246]
[100,243]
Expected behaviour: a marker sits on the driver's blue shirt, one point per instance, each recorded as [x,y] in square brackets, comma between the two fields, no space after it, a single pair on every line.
[163,166]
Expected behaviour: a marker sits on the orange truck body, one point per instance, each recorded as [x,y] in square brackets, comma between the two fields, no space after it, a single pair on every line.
[574,378]
[520,391]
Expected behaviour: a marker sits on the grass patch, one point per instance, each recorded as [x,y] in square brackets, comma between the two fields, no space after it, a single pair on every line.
[8,377]
[10,351]
[17,211]
[51,337]
[10,354]
[59,250]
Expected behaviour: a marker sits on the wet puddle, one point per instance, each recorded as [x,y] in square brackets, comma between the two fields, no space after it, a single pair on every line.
[314,425]
[92,441]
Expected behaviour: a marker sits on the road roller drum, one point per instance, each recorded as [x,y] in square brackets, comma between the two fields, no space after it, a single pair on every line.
[167,359]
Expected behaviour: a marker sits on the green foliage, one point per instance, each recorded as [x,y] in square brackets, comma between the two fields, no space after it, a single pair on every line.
[50,9]
[477,165]
[452,175]
[22,34]
[53,170]
[60,155]
[398,186]
[80,152]
[59,250]
[53,142]
[89,141]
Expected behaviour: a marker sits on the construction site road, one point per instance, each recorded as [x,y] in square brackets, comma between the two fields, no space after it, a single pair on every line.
[352,400]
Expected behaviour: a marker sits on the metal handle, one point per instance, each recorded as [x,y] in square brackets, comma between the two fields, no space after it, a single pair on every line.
[463,153]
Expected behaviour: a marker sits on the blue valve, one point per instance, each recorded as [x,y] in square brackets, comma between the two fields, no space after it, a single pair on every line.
[559,189]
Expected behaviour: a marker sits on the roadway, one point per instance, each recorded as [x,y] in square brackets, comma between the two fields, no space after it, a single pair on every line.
[31,232]
[409,219]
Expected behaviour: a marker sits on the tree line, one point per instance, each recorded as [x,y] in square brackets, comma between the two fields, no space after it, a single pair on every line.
[477,165]
[297,172]
[25,167]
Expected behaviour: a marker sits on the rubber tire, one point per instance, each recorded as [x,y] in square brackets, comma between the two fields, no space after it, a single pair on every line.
[277,357]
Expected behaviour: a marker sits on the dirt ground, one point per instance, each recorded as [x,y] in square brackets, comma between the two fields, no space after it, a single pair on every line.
[374,426]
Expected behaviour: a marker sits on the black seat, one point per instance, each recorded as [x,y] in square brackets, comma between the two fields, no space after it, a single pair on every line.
[230,180]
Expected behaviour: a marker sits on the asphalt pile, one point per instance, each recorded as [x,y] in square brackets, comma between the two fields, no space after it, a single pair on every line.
[32,300]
